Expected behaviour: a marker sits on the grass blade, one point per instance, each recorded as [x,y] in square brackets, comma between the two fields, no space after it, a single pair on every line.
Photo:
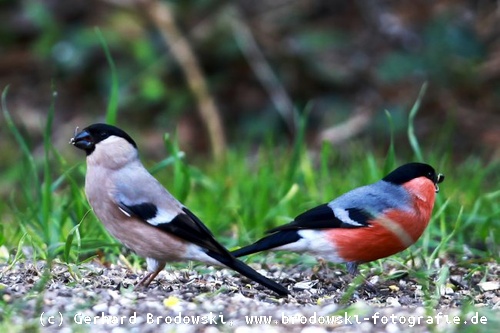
[19,138]
[411,129]
[46,194]
[297,149]
[391,154]
[112,110]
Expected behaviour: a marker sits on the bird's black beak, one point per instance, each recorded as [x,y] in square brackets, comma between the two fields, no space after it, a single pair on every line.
[439,179]
[84,141]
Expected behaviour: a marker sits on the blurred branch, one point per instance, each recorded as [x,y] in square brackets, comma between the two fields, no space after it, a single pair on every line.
[160,13]
[346,130]
[379,17]
[262,70]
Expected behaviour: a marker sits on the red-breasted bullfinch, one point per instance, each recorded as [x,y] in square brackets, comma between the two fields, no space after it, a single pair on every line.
[365,224]
[137,210]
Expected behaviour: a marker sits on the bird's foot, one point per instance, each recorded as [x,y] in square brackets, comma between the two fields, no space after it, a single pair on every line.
[352,268]
[146,280]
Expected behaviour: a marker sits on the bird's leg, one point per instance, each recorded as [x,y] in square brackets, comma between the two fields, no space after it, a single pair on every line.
[148,278]
[323,265]
[141,283]
[154,267]
[352,268]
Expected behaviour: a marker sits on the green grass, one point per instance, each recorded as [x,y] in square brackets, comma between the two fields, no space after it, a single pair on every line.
[245,194]
[112,110]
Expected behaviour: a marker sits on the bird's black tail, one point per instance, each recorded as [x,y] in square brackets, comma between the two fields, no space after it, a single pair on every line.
[247,271]
[269,242]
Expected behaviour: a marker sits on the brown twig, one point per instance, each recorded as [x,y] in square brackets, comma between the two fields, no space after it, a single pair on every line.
[262,70]
[346,130]
[160,14]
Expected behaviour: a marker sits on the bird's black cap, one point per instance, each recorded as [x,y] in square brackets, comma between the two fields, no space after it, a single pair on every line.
[95,133]
[411,171]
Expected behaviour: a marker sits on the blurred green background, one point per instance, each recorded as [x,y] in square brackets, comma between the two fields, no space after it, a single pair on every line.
[342,62]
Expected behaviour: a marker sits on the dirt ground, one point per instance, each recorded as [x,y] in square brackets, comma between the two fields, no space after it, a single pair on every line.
[218,300]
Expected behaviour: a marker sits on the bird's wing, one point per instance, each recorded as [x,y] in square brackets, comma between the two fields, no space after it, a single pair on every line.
[183,224]
[354,209]
[147,200]
[326,217]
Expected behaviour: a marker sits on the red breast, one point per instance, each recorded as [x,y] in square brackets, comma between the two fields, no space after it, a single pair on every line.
[391,232]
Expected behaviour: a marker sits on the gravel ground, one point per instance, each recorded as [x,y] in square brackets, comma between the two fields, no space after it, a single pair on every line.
[222,301]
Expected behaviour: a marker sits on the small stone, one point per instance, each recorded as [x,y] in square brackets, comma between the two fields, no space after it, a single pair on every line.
[392,328]
[328,309]
[405,300]
[313,329]
[374,279]
[211,329]
[102,307]
[393,301]
[114,310]
[304,285]
[489,285]
[365,327]
[393,288]
[243,329]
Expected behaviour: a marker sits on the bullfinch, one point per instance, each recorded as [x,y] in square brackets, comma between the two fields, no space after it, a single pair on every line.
[137,210]
[362,225]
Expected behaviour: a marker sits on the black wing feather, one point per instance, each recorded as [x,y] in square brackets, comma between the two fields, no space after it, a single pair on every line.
[185,225]
[271,241]
[144,211]
[322,217]
[189,227]
[359,215]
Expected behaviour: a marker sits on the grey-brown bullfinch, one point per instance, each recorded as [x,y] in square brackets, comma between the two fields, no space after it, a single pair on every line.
[137,210]
[362,225]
